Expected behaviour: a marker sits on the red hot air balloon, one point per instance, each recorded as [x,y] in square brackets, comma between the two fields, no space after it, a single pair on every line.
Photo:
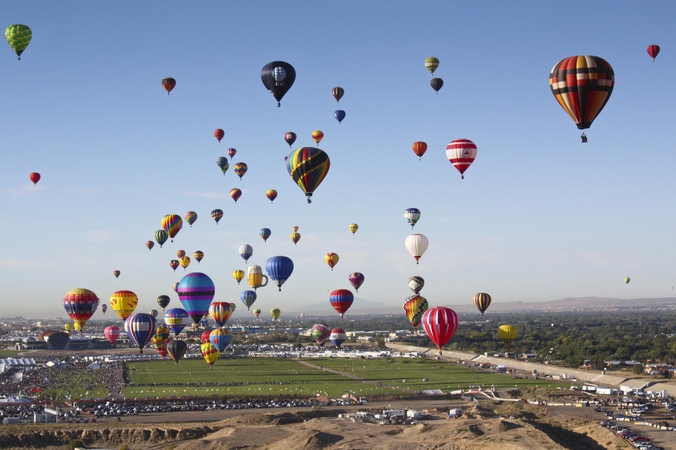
[111,333]
[235,194]
[168,84]
[219,134]
[461,153]
[150,245]
[290,138]
[419,148]
[35,177]
[341,300]
[653,51]
[440,324]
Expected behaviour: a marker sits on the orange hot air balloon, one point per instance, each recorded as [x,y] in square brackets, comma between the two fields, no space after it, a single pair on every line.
[180,253]
[317,136]
[331,259]
[271,194]
[235,194]
[419,148]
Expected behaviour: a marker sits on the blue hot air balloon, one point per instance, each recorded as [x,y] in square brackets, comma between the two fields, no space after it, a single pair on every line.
[220,338]
[279,268]
[196,291]
[248,298]
[176,319]
[141,328]
[265,233]
[339,115]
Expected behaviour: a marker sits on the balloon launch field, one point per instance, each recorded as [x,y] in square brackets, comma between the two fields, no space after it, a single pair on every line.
[331,377]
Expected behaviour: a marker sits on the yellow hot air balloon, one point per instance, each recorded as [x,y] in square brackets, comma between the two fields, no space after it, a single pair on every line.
[69,327]
[354,227]
[184,262]
[331,259]
[123,303]
[275,313]
[507,333]
[238,275]
[77,326]
[210,353]
[295,237]
[18,36]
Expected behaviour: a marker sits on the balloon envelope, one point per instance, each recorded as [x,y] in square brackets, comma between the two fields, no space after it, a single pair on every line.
[163,301]
[123,303]
[279,269]
[339,114]
[176,349]
[172,224]
[416,283]
[278,77]
[419,148]
[507,333]
[18,37]
[210,353]
[220,338]
[265,233]
[34,177]
[271,194]
[356,279]
[337,337]
[220,312]
[248,297]
[482,301]
[436,83]
[431,64]
[461,153]
[440,324]
[80,304]
[416,244]
[275,313]
[338,93]
[414,307]
[245,251]
[216,214]
[190,217]
[320,332]
[168,84]
[308,166]
[653,51]
[219,134]
[140,328]
[341,300]
[196,291]
[176,319]
[290,137]
[111,333]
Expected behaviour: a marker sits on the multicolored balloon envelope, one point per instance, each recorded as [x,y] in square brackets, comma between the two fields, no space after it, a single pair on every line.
[111,333]
[198,255]
[223,164]
[271,194]
[161,237]
[172,224]
[168,84]
[80,304]
[205,336]
[317,136]
[220,338]
[232,152]
[278,77]
[104,308]
[412,215]
[414,307]
[210,353]
[308,166]
[416,283]
[240,169]
[461,153]
[320,332]
[116,273]
[220,312]
[176,349]
[140,328]
[279,269]
[440,324]
[337,337]
[190,217]
[150,244]
[482,301]
[176,319]
[331,259]
[341,300]
[431,64]
[265,233]
[356,279]
[196,291]
[245,251]
[290,137]
[257,312]
[248,297]
[338,93]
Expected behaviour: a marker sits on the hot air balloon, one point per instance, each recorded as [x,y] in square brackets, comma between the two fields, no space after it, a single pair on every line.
[216,214]
[160,339]
[205,336]
[198,255]
[507,333]
[176,349]
[220,312]
[161,349]
[461,153]
[278,77]
[419,148]
[341,300]
[416,244]
[317,136]
[238,275]
[265,233]
[210,353]
[68,327]
[176,319]
[412,215]
[220,338]
[295,228]
[235,194]
[123,303]
[331,259]
[163,301]
[153,312]
[104,308]
[78,327]
[18,37]
[320,332]
[338,93]
[255,277]
[271,194]
[248,298]
[219,134]
[653,51]
[627,280]
[34,177]
[279,269]
[245,251]
[140,328]
[353,227]
[184,262]
[356,279]
[190,217]
[431,64]
[172,224]
[240,169]
[440,324]
[257,312]
[436,83]
[222,163]
[337,337]
[482,301]
[275,313]
[290,138]
[196,291]
[582,85]
[414,307]
[174,264]
[339,114]
[116,273]
[111,333]
[308,166]
[295,237]
[175,286]
[161,237]
[168,84]
[180,254]
[150,244]
[416,283]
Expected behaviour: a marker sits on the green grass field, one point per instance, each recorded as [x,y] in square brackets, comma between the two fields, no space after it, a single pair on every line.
[274,377]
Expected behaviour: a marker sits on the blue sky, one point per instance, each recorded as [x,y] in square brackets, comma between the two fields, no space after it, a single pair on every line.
[539,216]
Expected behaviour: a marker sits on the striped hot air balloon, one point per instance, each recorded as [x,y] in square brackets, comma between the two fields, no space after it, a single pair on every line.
[440,324]
[320,332]
[220,312]
[140,328]
[461,153]
[337,337]
[341,300]
[220,338]
[172,224]
[210,353]
[80,304]
[308,166]
[414,307]
[482,301]
[196,291]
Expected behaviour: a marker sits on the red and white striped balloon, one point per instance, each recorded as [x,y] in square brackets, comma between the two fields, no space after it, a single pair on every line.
[440,324]
[461,153]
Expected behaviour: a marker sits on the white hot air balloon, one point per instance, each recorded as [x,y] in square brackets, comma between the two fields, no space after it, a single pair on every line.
[461,153]
[416,244]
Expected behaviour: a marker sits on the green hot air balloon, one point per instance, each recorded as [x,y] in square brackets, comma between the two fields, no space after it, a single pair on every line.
[18,36]
[161,237]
